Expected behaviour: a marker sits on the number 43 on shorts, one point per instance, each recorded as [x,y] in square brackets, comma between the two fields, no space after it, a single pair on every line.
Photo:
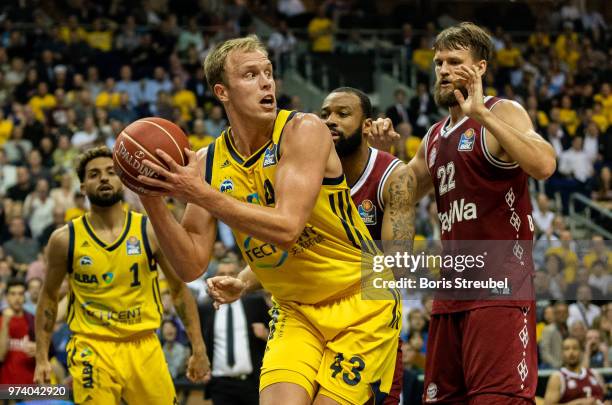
[352,378]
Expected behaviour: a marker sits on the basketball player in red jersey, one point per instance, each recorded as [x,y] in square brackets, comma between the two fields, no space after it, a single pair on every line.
[478,160]
[574,384]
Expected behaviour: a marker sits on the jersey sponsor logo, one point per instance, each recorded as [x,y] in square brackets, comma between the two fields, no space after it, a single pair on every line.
[227,186]
[108,277]
[367,212]
[100,315]
[133,246]
[270,156]
[87,375]
[263,255]
[308,238]
[432,392]
[432,156]
[85,278]
[459,211]
[466,142]
[85,261]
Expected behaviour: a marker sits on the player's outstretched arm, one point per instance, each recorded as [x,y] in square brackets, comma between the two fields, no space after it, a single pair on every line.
[553,389]
[46,310]
[306,147]
[226,289]
[398,220]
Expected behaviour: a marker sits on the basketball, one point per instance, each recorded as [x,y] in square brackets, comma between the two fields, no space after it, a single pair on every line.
[138,141]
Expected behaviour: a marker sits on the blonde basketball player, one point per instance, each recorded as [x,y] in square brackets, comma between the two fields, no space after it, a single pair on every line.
[275,178]
[110,257]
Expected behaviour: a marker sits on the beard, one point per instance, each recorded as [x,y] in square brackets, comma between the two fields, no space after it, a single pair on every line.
[100,201]
[448,99]
[347,145]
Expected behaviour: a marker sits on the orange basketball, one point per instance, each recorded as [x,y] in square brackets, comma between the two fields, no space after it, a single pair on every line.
[138,141]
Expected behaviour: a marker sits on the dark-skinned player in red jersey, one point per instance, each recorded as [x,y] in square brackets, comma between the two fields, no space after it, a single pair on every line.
[382,188]
[478,160]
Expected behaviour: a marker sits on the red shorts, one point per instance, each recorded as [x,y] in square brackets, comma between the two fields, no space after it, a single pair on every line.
[482,356]
[396,387]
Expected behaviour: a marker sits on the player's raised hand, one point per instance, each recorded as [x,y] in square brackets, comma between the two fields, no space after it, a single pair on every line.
[182,182]
[198,367]
[42,372]
[225,289]
[382,135]
[473,105]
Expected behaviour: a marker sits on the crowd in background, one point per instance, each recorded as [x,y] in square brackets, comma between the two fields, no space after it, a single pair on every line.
[78,74]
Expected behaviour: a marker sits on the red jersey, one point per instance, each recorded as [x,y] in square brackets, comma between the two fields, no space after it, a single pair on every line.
[18,367]
[576,386]
[367,192]
[479,198]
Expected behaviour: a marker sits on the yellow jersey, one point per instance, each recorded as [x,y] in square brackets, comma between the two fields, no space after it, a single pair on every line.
[326,261]
[114,293]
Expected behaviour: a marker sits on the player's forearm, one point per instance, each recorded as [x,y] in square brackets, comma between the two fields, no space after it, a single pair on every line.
[264,223]
[4,338]
[533,154]
[250,280]
[46,314]
[175,241]
[186,309]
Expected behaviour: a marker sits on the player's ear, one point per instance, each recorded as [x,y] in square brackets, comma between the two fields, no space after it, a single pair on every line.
[221,92]
[366,126]
[482,67]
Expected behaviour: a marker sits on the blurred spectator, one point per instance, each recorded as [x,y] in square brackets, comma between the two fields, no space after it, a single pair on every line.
[412,362]
[398,112]
[156,85]
[58,221]
[321,32]
[422,58]
[566,252]
[36,168]
[17,340]
[109,96]
[429,226]
[545,317]
[235,337]
[63,196]
[596,351]
[22,249]
[552,338]
[216,123]
[128,86]
[42,101]
[38,207]
[190,37]
[93,84]
[23,187]
[422,109]
[583,310]
[78,209]
[8,174]
[578,330]
[6,127]
[17,148]
[603,187]
[280,44]
[34,285]
[183,98]
[65,154]
[600,251]
[600,278]
[199,139]
[542,215]
[176,354]
[124,112]
[86,137]
[554,268]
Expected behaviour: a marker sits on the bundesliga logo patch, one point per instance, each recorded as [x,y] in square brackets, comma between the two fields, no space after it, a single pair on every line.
[367,212]
[133,246]
[270,156]
[466,143]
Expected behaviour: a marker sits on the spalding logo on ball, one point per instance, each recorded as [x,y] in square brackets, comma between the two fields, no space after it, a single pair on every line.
[139,141]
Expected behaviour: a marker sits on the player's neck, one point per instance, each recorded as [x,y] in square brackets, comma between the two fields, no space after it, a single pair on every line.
[456,115]
[249,136]
[354,164]
[106,217]
[577,369]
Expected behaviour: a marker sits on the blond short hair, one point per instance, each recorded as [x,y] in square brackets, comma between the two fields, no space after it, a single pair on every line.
[214,64]
[466,36]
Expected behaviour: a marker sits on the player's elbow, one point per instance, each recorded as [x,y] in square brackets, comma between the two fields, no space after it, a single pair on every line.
[545,168]
[287,237]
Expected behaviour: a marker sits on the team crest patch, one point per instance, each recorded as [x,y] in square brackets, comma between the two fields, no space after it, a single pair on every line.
[270,156]
[432,156]
[108,277]
[432,392]
[466,143]
[85,261]
[227,186]
[133,246]
[367,212]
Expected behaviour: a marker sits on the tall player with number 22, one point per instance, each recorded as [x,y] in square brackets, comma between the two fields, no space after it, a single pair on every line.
[478,160]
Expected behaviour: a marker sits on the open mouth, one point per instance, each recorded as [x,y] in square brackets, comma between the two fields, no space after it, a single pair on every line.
[267,101]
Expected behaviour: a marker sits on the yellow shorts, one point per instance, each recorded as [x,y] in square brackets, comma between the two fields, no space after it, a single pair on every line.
[105,371]
[345,349]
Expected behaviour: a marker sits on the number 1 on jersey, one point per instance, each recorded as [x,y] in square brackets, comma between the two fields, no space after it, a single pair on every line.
[134,270]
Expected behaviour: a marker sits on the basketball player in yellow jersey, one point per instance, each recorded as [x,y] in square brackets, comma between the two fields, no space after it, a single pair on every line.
[274,177]
[110,257]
